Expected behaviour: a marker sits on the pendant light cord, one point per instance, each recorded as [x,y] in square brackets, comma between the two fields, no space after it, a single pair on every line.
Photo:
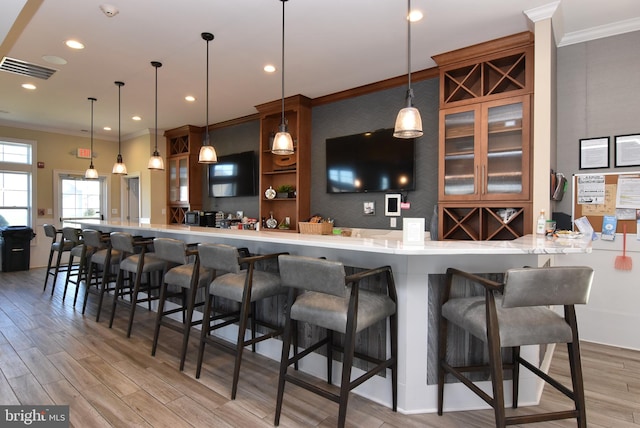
[409,90]
[207,89]
[91,163]
[282,74]
[156,133]
[119,118]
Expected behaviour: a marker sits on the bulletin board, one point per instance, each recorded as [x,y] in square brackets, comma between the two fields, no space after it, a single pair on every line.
[596,195]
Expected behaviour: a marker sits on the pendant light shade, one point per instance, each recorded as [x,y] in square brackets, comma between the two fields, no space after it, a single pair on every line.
[207,151]
[282,142]
[408,122]
[155,161]
[119,167]
[91,173]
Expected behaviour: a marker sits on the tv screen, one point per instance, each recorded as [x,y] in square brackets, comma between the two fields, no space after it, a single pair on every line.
[233,175]
[370,162]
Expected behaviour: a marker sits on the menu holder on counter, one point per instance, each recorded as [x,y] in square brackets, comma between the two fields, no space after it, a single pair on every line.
[413,231]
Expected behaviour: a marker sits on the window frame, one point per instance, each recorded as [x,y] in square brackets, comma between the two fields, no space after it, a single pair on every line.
[31,169]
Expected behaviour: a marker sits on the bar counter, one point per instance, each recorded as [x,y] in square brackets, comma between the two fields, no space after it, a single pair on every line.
[418,271]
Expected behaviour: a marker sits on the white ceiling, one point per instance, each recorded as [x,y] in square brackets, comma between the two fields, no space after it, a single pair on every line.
[331,46]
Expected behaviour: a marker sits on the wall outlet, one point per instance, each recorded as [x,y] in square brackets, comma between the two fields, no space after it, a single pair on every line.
[114,211]
[164,211]
[49,211]
[393,222]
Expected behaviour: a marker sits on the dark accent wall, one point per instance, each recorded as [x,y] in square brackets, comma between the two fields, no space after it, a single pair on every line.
[355,115]
[367,113]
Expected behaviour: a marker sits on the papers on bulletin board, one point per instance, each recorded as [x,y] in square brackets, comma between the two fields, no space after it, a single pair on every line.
[606,208]
[591,189]
[628,193]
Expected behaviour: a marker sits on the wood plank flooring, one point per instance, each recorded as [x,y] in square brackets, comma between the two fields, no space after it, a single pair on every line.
[51,354]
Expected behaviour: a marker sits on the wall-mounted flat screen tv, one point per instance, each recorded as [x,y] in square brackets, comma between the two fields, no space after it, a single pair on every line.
[370,162]
[233,175]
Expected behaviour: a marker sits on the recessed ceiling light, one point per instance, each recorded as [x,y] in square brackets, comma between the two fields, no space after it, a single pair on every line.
[269,68]
[29,86]
[107,128]
[190,98]
[74,44]
[415,15]
[54,59]
[136,118]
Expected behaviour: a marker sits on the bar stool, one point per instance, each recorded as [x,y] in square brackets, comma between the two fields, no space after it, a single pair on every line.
[137,262]
[336,302]
[188,277]
[244,286]
[76,270]
[57,246]
[512,314]
[101,264]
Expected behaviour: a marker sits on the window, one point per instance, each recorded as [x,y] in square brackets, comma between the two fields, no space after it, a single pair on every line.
[16,182]
[81,199]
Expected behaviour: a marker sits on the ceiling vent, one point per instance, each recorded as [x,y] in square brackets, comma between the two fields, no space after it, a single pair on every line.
[24,68]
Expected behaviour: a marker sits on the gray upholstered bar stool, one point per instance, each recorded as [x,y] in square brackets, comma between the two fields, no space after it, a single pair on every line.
[136,262]
[60,246]
[512,314]
[336,302]
[182,271]
[245,286]
[102,262]
[77,266]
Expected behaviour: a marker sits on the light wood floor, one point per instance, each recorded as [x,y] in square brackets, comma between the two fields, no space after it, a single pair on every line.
[51,354]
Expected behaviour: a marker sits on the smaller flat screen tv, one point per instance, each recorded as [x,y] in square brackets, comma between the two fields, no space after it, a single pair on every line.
[370,162]
[233,175]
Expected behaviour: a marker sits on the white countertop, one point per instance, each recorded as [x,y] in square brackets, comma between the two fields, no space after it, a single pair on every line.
[371,240]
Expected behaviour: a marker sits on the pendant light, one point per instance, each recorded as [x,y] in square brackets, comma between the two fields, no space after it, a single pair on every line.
[282,141]
[119,167]
[91,173]
[408,122]
[155,161]
[207,151]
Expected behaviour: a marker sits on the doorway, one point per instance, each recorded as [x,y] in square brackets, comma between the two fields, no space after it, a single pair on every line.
[131,199]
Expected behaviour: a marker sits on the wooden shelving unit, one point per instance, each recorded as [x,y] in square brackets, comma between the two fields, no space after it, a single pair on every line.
[294,170]
[184,173]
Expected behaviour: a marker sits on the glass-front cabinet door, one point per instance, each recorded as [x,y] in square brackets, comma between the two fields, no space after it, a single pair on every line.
[484,153]
[178,179]
[505,169]
[459,154]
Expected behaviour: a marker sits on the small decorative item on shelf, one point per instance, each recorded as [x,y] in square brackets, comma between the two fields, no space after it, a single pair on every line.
[284,224]
[284,191]
[270,193]
[271,222]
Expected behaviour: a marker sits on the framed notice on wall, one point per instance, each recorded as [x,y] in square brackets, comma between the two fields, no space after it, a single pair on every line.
[627,150]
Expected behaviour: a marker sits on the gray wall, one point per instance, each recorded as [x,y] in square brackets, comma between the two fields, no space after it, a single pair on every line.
[352,116]
[598,96]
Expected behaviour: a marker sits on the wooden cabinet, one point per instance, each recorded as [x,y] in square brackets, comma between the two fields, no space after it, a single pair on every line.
[294,170]
[184,173]
[484,188]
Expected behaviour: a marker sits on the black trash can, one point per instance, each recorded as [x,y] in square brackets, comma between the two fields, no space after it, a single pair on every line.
[15,247]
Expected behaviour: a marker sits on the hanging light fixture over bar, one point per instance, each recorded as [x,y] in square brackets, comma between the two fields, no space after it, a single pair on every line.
[91,173]
[155,161]
[408,122]
[207,151]
[119,167]
[282,141]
